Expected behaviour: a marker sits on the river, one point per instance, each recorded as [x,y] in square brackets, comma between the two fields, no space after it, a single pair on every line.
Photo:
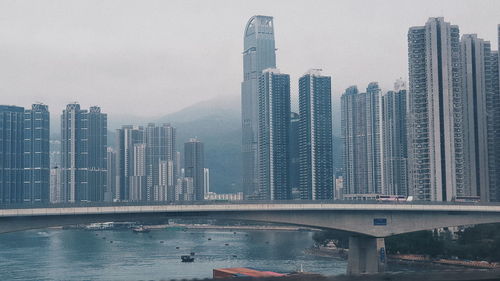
[57,254]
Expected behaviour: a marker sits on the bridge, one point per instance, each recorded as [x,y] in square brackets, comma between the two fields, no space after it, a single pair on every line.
[368,223]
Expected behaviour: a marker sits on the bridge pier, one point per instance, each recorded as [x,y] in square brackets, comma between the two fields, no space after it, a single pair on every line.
[366,255]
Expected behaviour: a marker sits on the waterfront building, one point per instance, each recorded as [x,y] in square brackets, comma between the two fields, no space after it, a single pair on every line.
[11,154]
[493,125]
[194,164]
[315,136]
[206,180]
[160,146]
[293,152]
[476,89]
[258,54]
[111,176]
[224,196]
[137,178]
[166,184]
[274,126]
[361,133]
[394,142]
[55,185]
[126,138]
[435,137]
[83,153]
[184,189]
[36,181]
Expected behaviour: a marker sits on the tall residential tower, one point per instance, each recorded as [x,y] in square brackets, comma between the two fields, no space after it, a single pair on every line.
[274,129]
[315,136]
[435,137]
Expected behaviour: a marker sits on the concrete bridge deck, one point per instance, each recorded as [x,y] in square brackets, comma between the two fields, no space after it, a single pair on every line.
[368,222]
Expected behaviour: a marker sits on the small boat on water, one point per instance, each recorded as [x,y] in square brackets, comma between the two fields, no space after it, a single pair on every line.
[187,259]
[140,229]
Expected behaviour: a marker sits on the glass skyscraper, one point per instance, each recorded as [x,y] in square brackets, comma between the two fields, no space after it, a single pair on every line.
[194,165]
[11,154]
[315,136]
[274,129]
[83,154]
[258,54]
[36,180]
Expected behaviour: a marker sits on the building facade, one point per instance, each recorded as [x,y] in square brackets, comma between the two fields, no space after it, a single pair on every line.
[258,54]
[361,133]
[435,137]
[11,154]
[315,136]
[394,142]
[83,154]
[36,181]
[274,129]
[194,164]
[126,138]
[476,87]
[294,160]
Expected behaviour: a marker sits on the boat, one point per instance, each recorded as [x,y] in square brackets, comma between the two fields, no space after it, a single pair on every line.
[141,229]
[187,259]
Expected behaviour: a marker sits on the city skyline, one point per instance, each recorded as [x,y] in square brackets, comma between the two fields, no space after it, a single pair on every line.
[81,45]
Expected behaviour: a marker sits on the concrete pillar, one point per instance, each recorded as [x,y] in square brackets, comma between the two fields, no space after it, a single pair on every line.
[366,255]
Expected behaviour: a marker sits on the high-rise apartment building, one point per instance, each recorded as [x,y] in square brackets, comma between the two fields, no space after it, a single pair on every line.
[83,153]
[194,164]
[315,137]
[206,181]
[361,133]
[435,137]
[274,126]
[11,154]
[138,179]
[160,146]
[493,116]
[477,91]
[111,176]
[394,142]
[126,138]
[36,181]
[258,54]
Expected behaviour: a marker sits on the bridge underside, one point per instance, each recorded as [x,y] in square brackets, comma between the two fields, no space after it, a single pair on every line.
[368,228]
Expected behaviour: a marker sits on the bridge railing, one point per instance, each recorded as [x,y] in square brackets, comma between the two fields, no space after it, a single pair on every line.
[206,202]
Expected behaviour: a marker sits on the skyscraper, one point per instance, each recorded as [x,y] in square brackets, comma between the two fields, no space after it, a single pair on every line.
[11,154]
[111,166]
[258,54]
[361,132]
[36,154]
[476,89]
[493,108]
[83,153]
[394,142]
[194,164]
[435,138]
[316,155]
[160,146]
[274,126]
[126,138]
[206,181]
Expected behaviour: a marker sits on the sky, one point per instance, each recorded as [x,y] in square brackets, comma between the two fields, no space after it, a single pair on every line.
[151,58]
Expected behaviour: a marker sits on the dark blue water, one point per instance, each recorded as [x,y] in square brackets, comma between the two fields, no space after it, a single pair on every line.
[54,254]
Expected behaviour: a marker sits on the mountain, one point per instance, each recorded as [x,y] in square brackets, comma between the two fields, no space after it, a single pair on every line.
[217,123]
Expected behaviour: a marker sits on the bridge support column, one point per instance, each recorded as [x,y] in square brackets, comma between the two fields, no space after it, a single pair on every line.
[366,255]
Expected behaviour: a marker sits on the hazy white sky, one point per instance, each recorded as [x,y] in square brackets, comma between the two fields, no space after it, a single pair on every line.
[150,58]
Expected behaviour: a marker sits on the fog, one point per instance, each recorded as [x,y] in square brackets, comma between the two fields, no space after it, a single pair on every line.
[150,58]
